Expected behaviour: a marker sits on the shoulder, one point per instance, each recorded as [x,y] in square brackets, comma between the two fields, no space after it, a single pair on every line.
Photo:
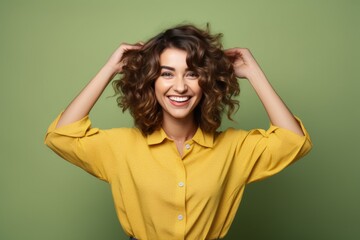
[233,132]
[122,139]
[128,134]
[231,135]
[239,136]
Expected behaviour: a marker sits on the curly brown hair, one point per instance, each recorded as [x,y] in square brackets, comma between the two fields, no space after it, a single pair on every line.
[204,56]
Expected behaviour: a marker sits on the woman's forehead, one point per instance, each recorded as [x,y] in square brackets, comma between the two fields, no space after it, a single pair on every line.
[174,58]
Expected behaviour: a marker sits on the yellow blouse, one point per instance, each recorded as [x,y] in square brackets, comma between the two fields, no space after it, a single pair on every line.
[160,195]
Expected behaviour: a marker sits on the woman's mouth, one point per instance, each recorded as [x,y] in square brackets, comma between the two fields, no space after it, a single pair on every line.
[179,100]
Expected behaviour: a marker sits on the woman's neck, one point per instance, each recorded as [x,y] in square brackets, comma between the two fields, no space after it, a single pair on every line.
[180,130]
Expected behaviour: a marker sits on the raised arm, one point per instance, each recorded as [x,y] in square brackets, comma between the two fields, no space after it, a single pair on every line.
[83,103]
[245,66]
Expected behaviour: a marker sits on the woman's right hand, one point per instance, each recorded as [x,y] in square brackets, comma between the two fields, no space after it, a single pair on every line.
[115,61]
[83,102]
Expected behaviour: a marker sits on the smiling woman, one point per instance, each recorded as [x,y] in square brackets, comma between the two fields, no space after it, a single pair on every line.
[178,92]
[201,54]
[176,86]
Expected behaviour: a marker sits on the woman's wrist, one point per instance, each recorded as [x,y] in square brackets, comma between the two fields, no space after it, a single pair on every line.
[108,72]
[256,76]
[110,67]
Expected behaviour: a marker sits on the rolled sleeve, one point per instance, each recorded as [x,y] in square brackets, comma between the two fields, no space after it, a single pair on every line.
[80,144]
[274,150]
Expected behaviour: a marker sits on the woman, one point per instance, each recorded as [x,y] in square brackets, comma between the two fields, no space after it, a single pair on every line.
[173,176]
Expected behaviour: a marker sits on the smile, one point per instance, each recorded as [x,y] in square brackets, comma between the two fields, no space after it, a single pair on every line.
[179,99]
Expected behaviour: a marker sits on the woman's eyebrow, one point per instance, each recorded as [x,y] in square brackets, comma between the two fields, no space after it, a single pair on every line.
[168,68]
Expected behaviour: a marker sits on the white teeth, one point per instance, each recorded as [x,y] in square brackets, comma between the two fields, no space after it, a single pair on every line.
[179,99]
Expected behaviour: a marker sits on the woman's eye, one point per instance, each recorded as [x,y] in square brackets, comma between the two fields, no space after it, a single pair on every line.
[193,75]
[166,74]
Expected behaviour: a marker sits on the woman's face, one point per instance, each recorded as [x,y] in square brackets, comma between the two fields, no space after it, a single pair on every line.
[177,89]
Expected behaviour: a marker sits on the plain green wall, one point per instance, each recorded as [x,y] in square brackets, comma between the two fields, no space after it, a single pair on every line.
[309,50]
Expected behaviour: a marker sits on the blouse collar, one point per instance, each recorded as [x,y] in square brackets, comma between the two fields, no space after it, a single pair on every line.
[202,138]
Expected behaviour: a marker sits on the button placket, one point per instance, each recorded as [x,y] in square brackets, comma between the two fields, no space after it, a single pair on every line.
[180,190]
[181,186]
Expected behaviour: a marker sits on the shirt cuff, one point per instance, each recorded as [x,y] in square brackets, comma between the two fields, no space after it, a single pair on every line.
[78,128]
[274,128]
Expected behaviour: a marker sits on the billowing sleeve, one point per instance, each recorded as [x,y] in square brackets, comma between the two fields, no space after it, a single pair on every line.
[268,152]
[81,145]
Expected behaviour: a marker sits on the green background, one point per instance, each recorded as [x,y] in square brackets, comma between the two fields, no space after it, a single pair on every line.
[309,50]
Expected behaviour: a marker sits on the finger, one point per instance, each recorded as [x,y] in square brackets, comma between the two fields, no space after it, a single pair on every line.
[138,44]
[232,53]
[128,45]
[237,50]
[132,47]
[232,50]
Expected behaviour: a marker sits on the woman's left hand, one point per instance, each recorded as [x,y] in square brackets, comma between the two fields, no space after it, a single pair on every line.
[243,62]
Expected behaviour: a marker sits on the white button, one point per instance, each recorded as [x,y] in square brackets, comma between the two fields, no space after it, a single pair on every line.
[180,217]
[187,146]
[181,184]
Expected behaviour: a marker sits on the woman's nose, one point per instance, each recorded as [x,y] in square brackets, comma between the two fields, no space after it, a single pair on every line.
[180,85]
